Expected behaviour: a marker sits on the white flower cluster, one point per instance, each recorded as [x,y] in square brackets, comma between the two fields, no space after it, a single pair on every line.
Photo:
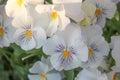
[68,31]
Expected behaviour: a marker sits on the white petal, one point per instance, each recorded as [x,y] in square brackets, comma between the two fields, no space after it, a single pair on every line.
[54,76]
[34,77]
[2,9]
[6,41]
[64,21]
[101,20]
[71,31]
[116,55]
[39,36]
[12,9]
[43,8]
[1,42]
[60,8]
[110,75]
[66,1]
[116,68]
[42,20]
[22,21]
[81,49]
[89,31]
[35,2]
[28,44]
[39,67]
[47,61]
[88,74]
[110,10]
[17,33]
[52,27]
[10,30]
[103,77]
[51,45]
[115,41]
[3,15]
[74,11]
[55,62]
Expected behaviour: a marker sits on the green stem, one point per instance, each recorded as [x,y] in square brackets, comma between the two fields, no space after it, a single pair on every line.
[26,57]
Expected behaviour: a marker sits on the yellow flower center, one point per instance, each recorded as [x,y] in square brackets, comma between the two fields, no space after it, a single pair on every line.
[19,2]
[66,53]
[43,76]
[54,15]
[28,33]
[90,52]
[98,11]
[115,76]
[1,31]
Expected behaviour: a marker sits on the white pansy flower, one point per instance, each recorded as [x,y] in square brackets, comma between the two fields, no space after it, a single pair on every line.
[56,16]
[28,35]
[98,48]
[91,74]
[102,11]
[6,29]
[16,7]
[40,71]
[66,48]
[115,45]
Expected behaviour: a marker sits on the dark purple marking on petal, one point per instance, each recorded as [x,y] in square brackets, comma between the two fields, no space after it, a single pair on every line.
[60,48]
[72,50]
[104,11]
[27,27]
[94,47]
[97,5]
[92,58]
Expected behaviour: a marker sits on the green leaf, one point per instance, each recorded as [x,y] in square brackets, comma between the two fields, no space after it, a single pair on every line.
[69,74]
[118,7]
[3,73]
[49,1]
[17,50]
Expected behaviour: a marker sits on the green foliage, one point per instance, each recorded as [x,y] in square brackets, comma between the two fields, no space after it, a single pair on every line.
[69,75]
